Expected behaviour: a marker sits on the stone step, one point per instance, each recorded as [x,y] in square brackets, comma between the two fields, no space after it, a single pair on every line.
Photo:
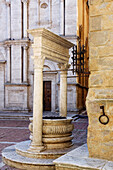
[20,157]
[11,158]
[22,149]
[78,159]
[15,116]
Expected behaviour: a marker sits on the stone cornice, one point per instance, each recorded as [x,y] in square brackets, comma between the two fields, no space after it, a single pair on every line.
[50,45]
[17,42]
[42,32]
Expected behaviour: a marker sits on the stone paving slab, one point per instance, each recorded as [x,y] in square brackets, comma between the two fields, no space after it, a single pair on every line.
[79,159]
[14,123]
[9,136]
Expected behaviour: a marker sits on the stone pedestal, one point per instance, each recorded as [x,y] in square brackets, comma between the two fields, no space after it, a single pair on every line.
[100,95]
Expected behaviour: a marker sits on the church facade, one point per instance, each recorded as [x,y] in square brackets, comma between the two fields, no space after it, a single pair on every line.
[16,65]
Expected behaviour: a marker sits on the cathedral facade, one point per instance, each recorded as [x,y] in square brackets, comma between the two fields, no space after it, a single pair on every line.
[16,65]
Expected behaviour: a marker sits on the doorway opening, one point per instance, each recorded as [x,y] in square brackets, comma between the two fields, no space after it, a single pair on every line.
[46,95]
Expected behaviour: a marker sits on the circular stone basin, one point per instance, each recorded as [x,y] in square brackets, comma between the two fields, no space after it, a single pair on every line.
[57,132]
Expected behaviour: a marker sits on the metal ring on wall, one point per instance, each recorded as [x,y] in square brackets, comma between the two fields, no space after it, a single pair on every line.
[104,123]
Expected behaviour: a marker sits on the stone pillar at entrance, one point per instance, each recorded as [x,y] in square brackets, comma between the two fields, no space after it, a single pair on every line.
[100,95]
[63,89]
[36,144]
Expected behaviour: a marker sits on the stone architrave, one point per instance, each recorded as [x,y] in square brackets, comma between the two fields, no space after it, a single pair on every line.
[50,46]
[63,89]
[100,95]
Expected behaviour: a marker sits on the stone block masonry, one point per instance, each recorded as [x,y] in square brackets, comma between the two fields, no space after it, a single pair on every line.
[100,136]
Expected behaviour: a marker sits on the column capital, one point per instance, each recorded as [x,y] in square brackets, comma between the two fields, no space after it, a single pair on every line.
[8,2]
[63,66]
[25,47]
[38,62]
[7,46]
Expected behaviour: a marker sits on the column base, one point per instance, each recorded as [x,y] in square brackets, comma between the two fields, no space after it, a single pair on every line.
[36,148]
[63,115]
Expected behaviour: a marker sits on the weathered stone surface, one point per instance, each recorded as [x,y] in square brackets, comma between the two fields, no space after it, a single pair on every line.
[98,38]
[101,8]
[95,23]
[11,158]
[78,159]
[100,136]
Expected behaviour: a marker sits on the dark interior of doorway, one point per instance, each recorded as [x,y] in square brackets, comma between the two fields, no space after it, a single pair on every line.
[46,95]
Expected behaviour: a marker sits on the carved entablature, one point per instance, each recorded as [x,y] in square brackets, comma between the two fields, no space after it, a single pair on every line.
[50,45]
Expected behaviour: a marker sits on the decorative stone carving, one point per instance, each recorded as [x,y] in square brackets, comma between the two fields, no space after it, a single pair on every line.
[44,5]
[64,67]
[57,133]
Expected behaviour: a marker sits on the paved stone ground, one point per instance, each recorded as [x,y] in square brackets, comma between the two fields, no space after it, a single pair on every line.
[13,131]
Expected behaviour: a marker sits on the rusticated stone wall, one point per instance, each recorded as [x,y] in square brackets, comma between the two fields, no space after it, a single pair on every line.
[100,136]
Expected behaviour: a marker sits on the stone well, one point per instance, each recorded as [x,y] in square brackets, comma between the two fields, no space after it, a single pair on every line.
[56,133]
[50,138]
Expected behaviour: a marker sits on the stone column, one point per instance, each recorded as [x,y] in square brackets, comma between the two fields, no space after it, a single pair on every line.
[25,64]
[100,95]
[8,3]
[62,17]
[8,64]
[63,89]
[25,2]
[37,145]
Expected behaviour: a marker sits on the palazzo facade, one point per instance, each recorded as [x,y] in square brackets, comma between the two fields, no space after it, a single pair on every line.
[16,66]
